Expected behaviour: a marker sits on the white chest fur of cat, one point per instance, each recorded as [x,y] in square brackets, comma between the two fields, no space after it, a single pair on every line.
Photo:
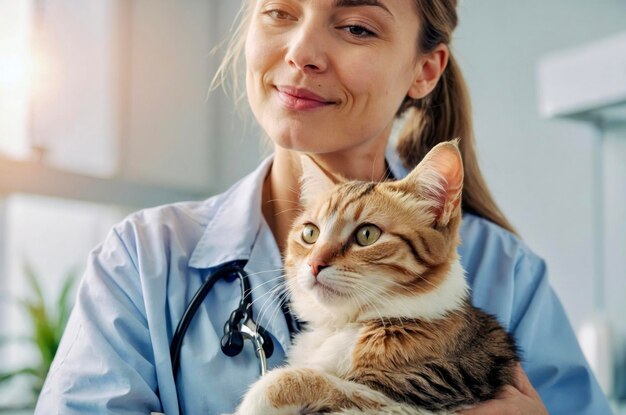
[325,349]
[373,271]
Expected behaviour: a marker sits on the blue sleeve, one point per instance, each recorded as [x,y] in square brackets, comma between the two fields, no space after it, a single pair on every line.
[509,281]
[104,363]
[552,357]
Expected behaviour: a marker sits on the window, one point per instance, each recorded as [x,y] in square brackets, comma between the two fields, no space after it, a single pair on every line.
[101,112]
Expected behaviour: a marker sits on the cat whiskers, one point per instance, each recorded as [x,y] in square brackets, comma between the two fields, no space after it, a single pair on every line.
[277,292]
[266,272]
[360,287]
[390,295]
[264,282]
[269,295]
[383,296]
[380,315]
[298,210]
[298,207]
[282,298]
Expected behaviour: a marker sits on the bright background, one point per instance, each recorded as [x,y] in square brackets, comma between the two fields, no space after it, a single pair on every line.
[104,109]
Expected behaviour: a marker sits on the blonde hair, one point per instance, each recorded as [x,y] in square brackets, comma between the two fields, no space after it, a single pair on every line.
[443,115]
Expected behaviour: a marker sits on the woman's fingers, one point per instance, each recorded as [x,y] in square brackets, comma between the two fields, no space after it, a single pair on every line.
[521,399]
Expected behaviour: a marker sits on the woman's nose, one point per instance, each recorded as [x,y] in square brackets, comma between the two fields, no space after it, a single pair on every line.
[306,50]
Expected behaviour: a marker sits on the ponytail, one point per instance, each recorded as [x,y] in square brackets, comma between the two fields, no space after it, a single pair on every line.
[445,114]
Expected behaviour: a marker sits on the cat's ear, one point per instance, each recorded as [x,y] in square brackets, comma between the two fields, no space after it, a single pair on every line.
[314,181]
[439,178]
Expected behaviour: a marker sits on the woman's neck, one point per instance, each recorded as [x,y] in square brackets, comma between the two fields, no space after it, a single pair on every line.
[281,188]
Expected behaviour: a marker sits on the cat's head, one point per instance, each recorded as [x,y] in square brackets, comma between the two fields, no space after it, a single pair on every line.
[364,250]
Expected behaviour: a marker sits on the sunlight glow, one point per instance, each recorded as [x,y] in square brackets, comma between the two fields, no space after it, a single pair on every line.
[16,77]
[16,72]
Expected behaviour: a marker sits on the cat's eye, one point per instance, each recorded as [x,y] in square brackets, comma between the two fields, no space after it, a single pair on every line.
[310,233]
[367,235]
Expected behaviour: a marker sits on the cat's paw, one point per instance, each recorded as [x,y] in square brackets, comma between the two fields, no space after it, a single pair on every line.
[258,400]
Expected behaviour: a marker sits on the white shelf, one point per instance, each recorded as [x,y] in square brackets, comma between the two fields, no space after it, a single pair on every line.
[36,178]
[585,83]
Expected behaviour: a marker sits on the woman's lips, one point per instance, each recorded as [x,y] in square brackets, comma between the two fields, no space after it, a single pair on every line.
[301,99]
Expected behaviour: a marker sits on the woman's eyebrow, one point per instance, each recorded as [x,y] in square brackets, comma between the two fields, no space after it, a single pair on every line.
[355,3]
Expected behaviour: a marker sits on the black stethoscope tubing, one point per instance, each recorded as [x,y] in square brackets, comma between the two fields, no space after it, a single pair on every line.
[240,320]
[223,271]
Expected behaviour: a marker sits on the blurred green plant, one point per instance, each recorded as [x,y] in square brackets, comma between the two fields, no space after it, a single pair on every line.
[47,325]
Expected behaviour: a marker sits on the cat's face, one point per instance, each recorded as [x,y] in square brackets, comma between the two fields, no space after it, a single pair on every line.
[368,249]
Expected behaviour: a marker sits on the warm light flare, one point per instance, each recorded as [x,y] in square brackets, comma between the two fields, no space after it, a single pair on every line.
[16,71]
[21,79]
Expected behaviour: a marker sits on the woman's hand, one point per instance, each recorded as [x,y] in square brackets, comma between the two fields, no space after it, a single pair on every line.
[520,399]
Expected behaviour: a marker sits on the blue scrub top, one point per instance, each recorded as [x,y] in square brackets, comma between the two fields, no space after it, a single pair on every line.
[114,355]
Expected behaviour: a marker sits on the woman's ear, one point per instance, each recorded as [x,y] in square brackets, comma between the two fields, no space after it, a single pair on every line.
[429,69]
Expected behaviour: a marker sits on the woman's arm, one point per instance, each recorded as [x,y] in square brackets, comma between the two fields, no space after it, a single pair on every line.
[552,357]
[509,281]
[104,363]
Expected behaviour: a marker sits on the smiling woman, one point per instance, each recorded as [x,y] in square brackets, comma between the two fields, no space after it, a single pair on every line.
[296,47]
[327,79]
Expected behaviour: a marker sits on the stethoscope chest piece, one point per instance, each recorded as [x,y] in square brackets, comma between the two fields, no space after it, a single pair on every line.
[240,327]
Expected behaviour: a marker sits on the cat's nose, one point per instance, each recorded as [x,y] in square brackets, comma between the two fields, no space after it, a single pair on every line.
[317,266]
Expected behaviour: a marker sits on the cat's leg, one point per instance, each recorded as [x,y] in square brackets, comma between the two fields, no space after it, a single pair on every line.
[290,391]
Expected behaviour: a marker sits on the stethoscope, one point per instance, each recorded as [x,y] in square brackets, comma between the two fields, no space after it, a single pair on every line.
[239,327]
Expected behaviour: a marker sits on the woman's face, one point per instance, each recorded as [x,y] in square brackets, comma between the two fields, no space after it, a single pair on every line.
[327,76]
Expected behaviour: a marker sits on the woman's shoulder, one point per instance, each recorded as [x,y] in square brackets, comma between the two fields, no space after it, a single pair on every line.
[195,216]
[482,238]
[181,218]
[502,271]
[188,212]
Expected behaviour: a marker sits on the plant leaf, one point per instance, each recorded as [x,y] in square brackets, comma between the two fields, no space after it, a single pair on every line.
[48,323]
[31,276]
[44,333]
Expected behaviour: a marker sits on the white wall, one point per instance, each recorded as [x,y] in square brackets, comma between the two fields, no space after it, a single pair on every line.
[240,142]
[539,170]
[169,137]
[76,94]
[15,35]
[614,153]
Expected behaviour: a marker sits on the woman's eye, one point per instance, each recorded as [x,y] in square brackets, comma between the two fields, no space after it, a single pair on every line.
[359,31]
[367,235]
[278,14]
[310,233]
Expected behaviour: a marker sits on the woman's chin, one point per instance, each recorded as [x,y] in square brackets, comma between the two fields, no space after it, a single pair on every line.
[304,145]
